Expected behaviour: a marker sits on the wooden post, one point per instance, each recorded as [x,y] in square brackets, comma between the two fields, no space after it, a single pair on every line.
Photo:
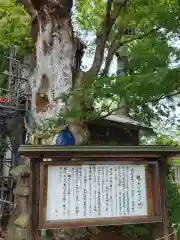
[175,236]
[34,233]
[161,229]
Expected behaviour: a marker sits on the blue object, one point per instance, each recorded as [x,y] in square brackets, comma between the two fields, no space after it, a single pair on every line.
[18,160]
[65,138]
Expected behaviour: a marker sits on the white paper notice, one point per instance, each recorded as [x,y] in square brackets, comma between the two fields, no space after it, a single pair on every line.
[95,191]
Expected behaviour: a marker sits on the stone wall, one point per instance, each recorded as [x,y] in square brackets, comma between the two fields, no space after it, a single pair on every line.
[18,222]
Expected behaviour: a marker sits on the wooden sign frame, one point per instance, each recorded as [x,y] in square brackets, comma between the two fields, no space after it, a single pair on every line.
[152,193]
[156,155]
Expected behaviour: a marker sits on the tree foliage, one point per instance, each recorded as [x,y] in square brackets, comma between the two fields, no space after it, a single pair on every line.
[14,26]
[148,30]
[14,30]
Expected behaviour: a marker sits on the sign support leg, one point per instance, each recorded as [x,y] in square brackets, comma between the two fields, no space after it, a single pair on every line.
[34,233]
[161,229]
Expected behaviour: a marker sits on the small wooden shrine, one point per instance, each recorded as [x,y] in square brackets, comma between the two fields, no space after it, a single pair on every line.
[117,129]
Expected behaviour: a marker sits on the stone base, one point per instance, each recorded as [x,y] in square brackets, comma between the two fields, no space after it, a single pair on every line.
[22,221]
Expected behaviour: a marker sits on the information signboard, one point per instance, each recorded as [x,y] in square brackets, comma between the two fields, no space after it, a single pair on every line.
[97,185]
[97,193]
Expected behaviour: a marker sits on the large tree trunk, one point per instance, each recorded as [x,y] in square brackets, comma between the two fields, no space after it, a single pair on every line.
[55,55]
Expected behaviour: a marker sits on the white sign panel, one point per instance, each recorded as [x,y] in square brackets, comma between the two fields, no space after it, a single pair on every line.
[96,191]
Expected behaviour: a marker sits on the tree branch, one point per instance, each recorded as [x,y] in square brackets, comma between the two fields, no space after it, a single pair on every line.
[163,96]
[29,8]
[138,37]
[111,51]
[110,112]
[116,45]
[103,36]
[153,100]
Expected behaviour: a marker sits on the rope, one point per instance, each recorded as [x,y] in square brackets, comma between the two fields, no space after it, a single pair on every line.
[171,234]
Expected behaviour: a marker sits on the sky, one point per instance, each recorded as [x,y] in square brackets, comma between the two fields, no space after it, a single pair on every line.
[88,57]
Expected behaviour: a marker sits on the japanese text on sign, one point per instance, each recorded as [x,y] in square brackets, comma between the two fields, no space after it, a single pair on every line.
[96,191]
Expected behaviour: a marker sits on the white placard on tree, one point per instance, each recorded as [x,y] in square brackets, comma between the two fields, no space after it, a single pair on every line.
[96,191]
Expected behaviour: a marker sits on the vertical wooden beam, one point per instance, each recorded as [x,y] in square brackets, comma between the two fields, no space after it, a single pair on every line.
[34,233]
[175,236]
[161,229]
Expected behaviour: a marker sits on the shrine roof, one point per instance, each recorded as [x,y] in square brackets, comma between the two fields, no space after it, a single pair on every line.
[98,151]
[123,119]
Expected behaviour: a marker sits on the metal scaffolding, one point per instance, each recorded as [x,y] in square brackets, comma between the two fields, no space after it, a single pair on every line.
[13,103]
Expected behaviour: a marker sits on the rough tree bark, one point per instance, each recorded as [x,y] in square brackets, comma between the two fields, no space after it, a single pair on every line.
[55,52]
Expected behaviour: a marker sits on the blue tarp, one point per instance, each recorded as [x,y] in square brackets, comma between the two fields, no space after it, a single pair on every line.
[65,138]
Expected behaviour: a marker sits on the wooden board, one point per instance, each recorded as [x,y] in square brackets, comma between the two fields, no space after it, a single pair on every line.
[78,194]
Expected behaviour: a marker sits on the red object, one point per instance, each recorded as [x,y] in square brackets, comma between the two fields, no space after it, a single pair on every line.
[4,100]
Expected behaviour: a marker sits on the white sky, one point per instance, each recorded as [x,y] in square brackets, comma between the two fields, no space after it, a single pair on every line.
[88,58]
